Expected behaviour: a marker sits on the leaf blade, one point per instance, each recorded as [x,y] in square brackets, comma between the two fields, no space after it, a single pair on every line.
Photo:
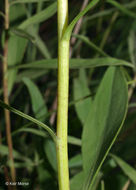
[127,169]
[39,123]
[38,103]
[75,63]
[68,31]
[41,16]
[122,8]
[80,89]
[103,121]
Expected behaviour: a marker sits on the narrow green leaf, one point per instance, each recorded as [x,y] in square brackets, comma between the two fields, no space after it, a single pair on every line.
[80,89]
[5,152]
[33,131]
[97,181]
[26,1]
[74,141]
[80,99]
[31,74]
[43,174]
[77,181]
[68,31]
[122,8]
[50,151]
[17,47]
[75,161]
[132,46]
[40,44]
[127,169]
[103,123]
[24,165]
[41,16]
[107,12]
[39,123]
[91,44]
[38,103]
[22,33]
[16,13]
[71,140]
[75,63]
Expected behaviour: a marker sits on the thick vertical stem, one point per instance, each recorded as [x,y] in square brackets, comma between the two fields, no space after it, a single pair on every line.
[63,85]
[5,92]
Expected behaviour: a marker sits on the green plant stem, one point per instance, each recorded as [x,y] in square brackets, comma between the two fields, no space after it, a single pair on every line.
[63,85]
[5,93]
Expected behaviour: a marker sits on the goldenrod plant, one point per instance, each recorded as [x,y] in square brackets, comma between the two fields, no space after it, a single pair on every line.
[68,95]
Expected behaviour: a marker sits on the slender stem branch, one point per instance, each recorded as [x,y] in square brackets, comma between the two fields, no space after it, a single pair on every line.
[5,92]
[77,28]
[63,85]
[79,23]
[6,14]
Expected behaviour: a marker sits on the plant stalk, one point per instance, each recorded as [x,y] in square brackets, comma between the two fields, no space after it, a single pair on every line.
[5,93]
[63,86]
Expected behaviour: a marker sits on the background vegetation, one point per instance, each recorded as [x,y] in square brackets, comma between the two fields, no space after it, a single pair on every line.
[105,36]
